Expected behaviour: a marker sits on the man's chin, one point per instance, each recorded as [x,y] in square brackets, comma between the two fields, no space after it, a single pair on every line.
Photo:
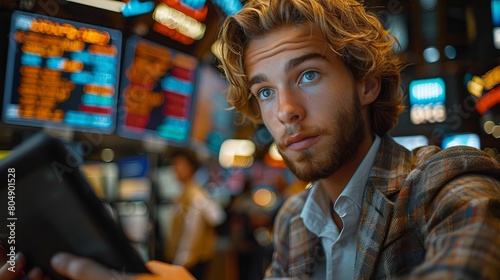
[309,170]
[303,172]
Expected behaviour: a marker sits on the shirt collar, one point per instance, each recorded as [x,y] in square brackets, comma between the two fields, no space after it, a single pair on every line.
[356,186]
[317,205]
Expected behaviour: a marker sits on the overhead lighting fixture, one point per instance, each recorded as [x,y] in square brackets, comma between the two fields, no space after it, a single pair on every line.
[229,7]
[236,153]
[197,14]
[135,7]
[195,4]
[172,33]
[131,8]
[431,54]
[179,21]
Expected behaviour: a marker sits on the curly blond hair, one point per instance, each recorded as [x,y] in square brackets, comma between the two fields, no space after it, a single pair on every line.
[364,46]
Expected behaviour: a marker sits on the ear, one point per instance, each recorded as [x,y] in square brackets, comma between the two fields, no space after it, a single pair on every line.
[368,90]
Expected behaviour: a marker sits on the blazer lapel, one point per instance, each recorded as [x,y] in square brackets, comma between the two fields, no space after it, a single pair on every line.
[391,166]
[372,231]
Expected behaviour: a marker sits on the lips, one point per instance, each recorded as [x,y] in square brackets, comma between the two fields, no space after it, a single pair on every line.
[300,141]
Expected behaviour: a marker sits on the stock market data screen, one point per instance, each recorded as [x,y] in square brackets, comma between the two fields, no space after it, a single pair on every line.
[61,74]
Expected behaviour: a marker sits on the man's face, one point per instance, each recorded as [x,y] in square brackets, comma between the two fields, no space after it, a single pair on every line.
[182,168]
[308,100]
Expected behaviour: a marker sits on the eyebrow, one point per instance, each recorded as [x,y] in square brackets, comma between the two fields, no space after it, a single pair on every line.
[257,79]
[288,67]
[298,60]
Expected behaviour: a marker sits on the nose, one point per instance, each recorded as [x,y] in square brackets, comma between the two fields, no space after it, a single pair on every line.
[290,107]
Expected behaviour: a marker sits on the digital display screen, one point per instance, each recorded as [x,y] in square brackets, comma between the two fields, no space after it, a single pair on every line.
[468,139]
[157,92]
[427,100]
[412,142]
[61,74]
[212,123]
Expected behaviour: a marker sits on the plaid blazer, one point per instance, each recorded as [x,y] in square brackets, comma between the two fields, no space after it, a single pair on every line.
[429,214]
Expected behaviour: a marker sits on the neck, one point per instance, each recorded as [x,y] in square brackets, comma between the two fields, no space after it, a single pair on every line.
[336,183]
[186,182]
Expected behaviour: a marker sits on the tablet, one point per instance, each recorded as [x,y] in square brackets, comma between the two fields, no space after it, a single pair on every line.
[49,207]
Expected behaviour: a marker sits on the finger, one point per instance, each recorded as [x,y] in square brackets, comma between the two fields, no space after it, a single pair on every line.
[164,277]
[35,274]
[158,268]
[165,269]
[13,270]
[152,277]
[78,268]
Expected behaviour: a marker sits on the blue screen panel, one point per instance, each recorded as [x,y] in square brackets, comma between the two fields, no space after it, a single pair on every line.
[61,74]
[427,101]
[427,91]
[469,139]
[157,93]
[412,142]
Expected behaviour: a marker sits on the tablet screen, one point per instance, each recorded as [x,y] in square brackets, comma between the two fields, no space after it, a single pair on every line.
[49,207]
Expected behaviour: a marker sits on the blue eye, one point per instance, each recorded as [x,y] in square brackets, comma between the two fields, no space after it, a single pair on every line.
[265,93]
[309,76]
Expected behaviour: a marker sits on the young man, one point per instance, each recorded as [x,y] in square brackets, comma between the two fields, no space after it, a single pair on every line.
[320,75]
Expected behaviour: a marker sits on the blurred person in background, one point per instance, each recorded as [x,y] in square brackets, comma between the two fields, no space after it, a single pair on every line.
[192,237]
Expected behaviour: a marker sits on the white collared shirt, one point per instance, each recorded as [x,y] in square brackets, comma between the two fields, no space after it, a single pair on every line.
[339,247]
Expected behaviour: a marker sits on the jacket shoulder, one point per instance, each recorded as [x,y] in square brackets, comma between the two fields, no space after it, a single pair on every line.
[433,163]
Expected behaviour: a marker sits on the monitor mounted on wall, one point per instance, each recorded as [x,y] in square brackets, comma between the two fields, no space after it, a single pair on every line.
[157,92]
[61,74]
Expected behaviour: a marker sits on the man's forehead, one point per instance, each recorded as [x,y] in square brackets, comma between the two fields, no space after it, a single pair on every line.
[285,40]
